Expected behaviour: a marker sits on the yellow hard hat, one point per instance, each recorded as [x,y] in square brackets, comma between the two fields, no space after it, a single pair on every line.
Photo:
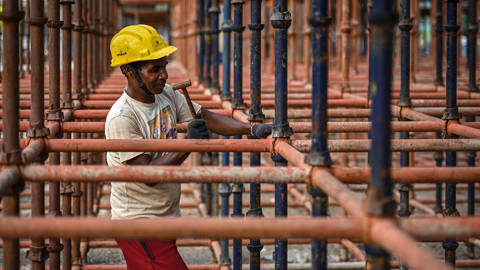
[138,43]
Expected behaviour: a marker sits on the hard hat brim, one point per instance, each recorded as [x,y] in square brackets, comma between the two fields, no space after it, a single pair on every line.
[153,56]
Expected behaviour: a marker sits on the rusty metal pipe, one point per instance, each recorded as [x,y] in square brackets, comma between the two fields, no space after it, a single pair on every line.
[422,228]
[412,145]
[9,177]
[149,174]
[172,228]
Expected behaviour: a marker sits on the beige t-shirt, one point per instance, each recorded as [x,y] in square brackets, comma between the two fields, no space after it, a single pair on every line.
[131,119]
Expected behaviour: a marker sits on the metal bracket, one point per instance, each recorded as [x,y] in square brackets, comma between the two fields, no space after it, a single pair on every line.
[37,254]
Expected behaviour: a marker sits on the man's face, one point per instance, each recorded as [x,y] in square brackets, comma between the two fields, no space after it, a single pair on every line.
[154,74]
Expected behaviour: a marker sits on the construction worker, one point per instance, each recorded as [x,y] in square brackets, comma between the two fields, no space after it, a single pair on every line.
[150,109]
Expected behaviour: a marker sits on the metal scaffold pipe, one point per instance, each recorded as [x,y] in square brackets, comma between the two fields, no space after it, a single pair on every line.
[319,153]
[255,115]
[10,148]
[380,202]
[451,115]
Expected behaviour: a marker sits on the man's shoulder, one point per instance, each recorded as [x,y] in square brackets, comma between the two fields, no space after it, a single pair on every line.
[120,107]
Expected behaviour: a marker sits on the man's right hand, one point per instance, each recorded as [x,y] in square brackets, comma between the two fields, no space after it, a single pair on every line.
[197,129]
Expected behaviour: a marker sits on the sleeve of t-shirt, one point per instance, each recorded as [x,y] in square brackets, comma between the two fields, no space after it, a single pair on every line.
[123,127]
[183,112]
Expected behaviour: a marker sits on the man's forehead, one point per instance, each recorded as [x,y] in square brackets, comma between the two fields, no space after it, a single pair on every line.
[160,61]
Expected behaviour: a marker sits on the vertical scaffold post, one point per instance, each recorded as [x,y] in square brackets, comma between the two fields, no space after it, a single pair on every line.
[438,157]
[281,20]
[472,45]
[237,103]
[54,115]
[225,190]
[380,201]
[439,43]
[255,115]
[37,252]
[471,192]
[78,37]
[67,108]
[27,38]
[214,11]
[451,114]
[238,28]
[85,29]
[201,39]
[237,191]
[405,26]
[11,146]
[21,59]
[319,154]
[227,29]
[208,45]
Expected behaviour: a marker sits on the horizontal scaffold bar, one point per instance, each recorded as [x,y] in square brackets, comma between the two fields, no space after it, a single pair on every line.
[214,174]
[424,228]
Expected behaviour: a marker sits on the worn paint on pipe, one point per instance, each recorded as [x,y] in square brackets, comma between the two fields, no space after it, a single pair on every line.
[152,174]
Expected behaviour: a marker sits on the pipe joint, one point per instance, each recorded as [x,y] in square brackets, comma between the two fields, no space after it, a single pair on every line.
[224,190]
[54,24]
[227,26]
[77,192]
[214,10]
[13,157]
[238,28]
[451,28]
[226,96]
[255,247]
[406,25]
[78,25]
[38,132]
[450,212]
[11,181]
[255,213]
[37,21]
[35,149]
[67,189]
[282,130]
[238,188]
[54,247]
[257,116]
[404,102]
[37,254]
[238,104]
[281,20]
[450,245]
[13,17]
[256,27]
[451,114]
[225,260]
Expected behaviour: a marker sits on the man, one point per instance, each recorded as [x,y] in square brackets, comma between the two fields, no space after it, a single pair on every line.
[150,109]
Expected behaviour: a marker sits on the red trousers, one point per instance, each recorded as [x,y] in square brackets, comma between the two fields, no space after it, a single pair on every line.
[151,255]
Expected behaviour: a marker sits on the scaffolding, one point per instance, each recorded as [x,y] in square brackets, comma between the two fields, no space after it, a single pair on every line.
[361,122]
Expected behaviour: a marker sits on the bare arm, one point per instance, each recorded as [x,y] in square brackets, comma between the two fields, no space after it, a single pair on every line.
[223,125]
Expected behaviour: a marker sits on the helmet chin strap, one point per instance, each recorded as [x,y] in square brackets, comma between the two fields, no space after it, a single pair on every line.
[139,81]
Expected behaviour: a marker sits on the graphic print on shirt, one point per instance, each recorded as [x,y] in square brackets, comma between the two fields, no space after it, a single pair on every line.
[163,125]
